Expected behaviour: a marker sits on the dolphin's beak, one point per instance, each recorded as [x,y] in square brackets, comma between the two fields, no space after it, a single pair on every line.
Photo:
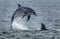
[34,13]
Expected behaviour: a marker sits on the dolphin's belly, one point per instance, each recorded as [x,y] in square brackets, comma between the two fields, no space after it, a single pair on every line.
[18,15]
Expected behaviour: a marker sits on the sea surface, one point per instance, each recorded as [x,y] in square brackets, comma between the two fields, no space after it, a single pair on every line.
[48,12]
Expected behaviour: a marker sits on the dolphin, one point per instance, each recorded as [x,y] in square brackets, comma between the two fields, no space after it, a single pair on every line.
[23,11]
[43,27]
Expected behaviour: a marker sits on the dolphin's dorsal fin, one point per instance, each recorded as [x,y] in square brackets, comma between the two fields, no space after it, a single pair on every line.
[19,5]
[43,27]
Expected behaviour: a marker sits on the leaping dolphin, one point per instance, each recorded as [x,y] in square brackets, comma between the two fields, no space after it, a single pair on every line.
[25,11]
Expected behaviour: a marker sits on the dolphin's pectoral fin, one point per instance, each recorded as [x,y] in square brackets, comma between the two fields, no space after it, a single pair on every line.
[28,17]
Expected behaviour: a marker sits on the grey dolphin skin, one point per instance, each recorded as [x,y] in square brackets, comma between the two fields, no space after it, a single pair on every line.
[23,10]
[43,27]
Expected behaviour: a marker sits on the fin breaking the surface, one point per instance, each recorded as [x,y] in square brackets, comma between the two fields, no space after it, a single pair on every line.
[43,27]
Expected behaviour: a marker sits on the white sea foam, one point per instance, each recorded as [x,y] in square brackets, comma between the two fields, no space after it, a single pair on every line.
[21,26]
[32,24]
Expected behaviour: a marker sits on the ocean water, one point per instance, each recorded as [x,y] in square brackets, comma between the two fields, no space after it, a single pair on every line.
[48,12]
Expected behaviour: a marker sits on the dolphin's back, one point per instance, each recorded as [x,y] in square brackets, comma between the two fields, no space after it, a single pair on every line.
[19,10]
[27,9]
[12,17]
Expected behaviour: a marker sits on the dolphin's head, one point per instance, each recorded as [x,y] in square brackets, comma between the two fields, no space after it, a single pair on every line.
[19,5]
[34,13]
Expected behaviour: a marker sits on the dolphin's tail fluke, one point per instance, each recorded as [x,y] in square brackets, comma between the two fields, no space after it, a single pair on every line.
[43,27]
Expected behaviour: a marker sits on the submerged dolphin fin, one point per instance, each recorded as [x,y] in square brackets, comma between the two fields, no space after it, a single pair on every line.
[43,27]
[28,17]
